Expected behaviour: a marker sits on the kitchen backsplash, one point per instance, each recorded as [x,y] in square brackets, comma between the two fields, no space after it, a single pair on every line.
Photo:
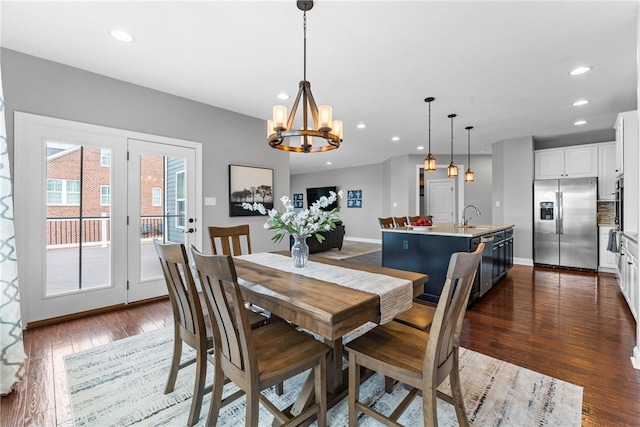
[606,213]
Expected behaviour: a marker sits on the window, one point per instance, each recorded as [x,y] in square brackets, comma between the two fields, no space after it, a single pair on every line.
[105,157]
[105,195]
[156,196]
[180,200]
[63,192]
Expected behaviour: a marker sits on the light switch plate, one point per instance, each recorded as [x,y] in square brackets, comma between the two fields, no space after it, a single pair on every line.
[210,201]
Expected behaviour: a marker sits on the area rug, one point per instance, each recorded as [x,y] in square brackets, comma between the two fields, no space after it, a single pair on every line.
[350,249]
[122,384]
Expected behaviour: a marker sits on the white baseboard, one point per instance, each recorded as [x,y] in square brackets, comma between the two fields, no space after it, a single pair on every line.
[363,240]
[523,261]
[635,359]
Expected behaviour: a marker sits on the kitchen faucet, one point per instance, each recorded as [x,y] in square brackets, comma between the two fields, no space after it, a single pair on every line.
[465,220]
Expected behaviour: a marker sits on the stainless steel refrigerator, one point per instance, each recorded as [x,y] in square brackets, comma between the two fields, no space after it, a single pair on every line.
[565,222]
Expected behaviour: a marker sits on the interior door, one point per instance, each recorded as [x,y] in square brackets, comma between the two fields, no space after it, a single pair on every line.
[162,206]
[441,200]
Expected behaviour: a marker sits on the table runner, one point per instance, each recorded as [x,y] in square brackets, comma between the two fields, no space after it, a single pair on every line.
[396,295]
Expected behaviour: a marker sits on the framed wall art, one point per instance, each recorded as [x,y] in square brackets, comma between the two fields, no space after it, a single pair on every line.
[249,184]
[354,198]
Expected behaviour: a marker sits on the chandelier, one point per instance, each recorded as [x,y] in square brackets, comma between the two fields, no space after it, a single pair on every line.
[324,127]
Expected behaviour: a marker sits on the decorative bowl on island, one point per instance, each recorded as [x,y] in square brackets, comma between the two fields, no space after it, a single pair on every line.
[422,224]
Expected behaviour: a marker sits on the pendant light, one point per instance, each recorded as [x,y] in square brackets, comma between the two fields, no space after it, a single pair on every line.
[468,175]
[324,127]
[452,170]
[429,161]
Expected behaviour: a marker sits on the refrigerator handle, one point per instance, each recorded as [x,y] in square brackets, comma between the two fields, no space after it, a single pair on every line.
[559,222]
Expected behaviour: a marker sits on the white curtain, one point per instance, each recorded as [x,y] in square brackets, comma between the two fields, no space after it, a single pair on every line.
[12,354]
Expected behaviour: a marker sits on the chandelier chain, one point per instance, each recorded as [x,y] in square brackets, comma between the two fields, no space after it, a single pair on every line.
[304,30]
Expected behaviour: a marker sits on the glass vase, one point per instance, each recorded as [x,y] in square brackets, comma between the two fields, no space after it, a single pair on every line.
[300,251]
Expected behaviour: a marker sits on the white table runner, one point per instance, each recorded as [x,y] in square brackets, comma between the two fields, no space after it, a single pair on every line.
[396,295]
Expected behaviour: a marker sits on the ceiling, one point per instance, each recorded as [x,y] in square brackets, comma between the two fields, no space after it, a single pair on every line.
[501,66]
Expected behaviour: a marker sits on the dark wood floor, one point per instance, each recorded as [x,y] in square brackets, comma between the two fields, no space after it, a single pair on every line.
[573,326]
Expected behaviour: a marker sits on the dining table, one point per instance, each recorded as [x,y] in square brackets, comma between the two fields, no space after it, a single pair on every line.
[325,298]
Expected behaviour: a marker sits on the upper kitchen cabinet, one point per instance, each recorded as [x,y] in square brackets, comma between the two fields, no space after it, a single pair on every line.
[579,161]
[627,138]
[606,170]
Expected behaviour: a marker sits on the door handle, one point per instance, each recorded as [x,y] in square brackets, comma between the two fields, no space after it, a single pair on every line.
[191,230]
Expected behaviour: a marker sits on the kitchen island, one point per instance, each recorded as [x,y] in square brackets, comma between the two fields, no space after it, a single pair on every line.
[429,250]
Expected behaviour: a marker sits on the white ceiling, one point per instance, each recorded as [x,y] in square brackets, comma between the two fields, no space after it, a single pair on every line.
[501,66]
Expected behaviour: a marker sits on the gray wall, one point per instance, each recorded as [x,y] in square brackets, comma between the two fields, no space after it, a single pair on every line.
[513,158]
[46,88]
[360,223]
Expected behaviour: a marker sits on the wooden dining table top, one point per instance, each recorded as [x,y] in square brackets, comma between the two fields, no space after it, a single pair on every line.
[326,308]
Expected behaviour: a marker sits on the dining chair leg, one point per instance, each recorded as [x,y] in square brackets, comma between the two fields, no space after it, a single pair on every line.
[253,408]
[198,388]
[429,406]
[216,394]
[175,363]
[354,389]
[320,379]
[456,392]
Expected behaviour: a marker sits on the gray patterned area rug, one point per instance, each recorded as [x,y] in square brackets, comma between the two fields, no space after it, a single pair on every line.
[122,384]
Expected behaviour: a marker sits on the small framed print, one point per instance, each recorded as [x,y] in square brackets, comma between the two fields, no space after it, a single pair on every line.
[354,198]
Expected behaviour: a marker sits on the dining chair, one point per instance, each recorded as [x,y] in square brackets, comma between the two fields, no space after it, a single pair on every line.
[386,222]
[260,358]
[419,316]
[419,359]
[231,240]
[189,323]
[400,221]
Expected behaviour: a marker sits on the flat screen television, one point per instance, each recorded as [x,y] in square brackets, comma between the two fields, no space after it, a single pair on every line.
[314,194]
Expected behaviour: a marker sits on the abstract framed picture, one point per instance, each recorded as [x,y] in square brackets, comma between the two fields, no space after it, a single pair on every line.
[248,184]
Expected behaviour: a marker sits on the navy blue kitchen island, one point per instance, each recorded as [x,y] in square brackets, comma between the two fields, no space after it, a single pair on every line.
[429,251]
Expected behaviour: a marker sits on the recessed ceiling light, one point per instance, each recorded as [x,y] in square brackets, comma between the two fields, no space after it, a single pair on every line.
[395,138]
[283,96]
[580,70]
[580,102]
[361,126]
[122,35]
[580,122]
[329,163]
[420,147]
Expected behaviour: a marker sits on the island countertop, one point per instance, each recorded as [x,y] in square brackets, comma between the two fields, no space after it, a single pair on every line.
[453,230]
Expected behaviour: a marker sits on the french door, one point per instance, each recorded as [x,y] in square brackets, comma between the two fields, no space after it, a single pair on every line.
[89,201]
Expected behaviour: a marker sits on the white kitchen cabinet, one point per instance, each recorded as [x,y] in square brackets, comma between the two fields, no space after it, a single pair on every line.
[607,261]
[627,132]
[606,170]
[628,274]
[578,161]
[619,126]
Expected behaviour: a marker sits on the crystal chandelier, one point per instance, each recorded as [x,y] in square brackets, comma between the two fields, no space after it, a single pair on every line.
[324,127]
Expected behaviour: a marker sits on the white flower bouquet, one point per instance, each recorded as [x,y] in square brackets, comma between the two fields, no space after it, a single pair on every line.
[309,222]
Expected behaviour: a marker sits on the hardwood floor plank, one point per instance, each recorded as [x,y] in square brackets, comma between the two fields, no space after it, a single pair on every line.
[570,325]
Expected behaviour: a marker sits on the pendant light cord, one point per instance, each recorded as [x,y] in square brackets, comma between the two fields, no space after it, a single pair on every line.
[452,139]
[429,127]
[469,148]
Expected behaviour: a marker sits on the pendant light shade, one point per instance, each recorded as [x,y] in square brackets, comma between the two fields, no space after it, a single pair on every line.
[452,170]
[468,175]
[429,161]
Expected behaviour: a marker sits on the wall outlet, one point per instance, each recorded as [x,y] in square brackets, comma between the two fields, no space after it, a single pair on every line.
[497,203]
[210,201]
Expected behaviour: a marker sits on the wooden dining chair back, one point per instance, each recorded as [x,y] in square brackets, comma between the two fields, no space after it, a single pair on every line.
[260,358]
[400,221]
[189,321]
[233,241]
[386,222]
[422,360]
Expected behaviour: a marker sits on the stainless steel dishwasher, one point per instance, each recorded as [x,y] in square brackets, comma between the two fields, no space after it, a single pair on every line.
[485,270]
